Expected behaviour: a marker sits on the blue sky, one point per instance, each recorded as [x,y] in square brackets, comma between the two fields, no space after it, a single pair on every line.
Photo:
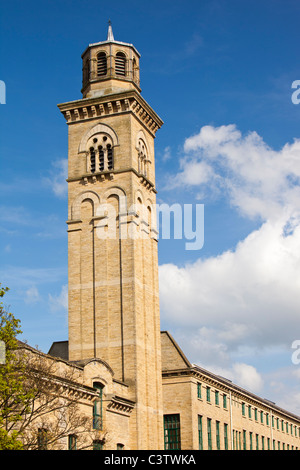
[219,74]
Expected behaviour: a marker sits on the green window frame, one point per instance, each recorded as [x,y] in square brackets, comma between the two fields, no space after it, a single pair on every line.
[267,419]
[209,441]
[98,407]
[172,432]
[243,409]
[217,397]
[224,400]
[262,417]
[262,443]
[42,439]
[200,432]
[199,390]
[97,445]
[72,442]
[244,440]
[255,414]
[257,442]
[208,394]
[218,434]
[249,411]
[225,436]
[251,440]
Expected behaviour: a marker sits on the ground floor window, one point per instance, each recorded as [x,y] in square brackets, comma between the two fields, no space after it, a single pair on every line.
[97,445]
[200,435]
[42,439]
[172,432]
[72,442]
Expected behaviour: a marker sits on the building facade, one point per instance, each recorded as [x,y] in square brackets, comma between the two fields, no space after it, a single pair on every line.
[151,396]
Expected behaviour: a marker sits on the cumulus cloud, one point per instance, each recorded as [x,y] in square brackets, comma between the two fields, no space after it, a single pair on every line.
[245,300]
[251,292]
[257,180]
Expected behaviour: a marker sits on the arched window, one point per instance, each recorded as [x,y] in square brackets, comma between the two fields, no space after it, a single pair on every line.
[97,408]
[120,64]
[142,158]
[101,153]
[101,64]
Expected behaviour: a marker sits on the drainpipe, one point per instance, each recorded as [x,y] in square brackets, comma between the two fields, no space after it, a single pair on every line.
[271,427]
[231,429]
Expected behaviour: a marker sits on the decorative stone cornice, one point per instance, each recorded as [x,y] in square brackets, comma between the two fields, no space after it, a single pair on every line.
[120,405]
[88,178]
[125,102]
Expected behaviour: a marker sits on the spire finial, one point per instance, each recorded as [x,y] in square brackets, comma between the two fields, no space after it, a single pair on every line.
[110,36]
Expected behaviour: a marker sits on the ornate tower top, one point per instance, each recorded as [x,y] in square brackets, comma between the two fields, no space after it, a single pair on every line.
[109,67]
[110,36]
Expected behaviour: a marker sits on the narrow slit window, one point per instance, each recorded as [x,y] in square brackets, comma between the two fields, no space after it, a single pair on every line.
[101,64]
[93,159]
[110,162]
[101,158]
[120,64]
[97,408]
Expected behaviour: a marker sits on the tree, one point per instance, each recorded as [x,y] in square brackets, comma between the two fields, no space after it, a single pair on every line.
[11,380]
[42,402]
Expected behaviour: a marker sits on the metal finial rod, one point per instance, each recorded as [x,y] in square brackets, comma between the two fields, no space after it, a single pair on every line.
[110,36]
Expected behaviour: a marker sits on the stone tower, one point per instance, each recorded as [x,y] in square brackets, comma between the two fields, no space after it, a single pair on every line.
[112,237]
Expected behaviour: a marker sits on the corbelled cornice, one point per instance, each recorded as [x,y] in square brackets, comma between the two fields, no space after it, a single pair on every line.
[106,105]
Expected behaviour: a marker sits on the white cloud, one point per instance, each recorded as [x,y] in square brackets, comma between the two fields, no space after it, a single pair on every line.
[32,295]
[57,177]
[251,293]
[244,302]
[247,377]
[259,181]
[167,154]
[59,302]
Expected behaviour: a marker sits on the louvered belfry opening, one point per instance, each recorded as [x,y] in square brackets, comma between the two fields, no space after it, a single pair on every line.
[93,159]
[101,64]
[101,158]
[110,163]
[120,64]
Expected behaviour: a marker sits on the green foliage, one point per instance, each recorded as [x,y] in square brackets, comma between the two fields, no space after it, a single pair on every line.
[12,394]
